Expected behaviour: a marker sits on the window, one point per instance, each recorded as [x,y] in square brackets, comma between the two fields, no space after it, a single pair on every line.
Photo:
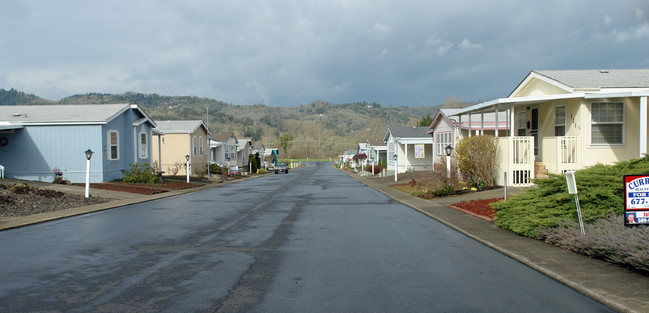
[194,146]
[560,121]
[521,121]
[443,140]
[144,147]
[607,123]
[113,145]
[200,143]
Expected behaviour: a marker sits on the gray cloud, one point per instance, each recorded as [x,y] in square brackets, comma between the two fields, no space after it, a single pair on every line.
[293,52]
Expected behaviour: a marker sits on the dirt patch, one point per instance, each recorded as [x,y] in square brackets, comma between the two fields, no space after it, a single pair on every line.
[22,200]
[480,208]
[143,189]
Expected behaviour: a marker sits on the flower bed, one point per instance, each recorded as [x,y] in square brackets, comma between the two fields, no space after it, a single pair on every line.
[144,189]
[480,208]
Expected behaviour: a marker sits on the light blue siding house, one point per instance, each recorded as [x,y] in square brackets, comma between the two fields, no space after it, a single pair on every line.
[35,139]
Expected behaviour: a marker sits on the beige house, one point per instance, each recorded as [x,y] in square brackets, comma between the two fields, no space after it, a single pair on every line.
[570,119]
[179,139]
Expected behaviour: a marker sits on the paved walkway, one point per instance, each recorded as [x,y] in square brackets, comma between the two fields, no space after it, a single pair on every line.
[612,285]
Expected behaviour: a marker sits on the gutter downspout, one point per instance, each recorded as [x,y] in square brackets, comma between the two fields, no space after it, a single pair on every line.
[643,126]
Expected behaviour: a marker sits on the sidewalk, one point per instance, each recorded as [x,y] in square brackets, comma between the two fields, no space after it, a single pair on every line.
[607,283]
[117,199]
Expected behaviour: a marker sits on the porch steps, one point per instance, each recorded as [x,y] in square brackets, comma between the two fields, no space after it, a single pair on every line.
[540,171]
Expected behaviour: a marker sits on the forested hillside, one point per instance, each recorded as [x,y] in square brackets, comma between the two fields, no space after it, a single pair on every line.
[319,129]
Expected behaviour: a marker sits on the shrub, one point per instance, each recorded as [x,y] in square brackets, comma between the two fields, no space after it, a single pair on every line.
[447,190]
[175,168]
[377,168]
[477,158]
[601,190]
[253,163]
[606,239]
[215,168]
[262,171]
[139,173]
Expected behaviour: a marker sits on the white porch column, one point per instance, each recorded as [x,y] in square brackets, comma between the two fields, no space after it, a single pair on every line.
[405,159]
[470,125]
[511,121]
[482,123]
[496,129]
[643,126]
[459,127]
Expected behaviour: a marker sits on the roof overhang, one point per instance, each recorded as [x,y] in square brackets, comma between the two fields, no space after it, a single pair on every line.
[10,127]
[491,106]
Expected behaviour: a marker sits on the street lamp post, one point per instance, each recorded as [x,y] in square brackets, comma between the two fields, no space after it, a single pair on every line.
[187,158]
[448,151]
[396,167]
[88,156]
[372,160]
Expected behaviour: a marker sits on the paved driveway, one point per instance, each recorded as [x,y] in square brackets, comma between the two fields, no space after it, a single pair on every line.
[314,240]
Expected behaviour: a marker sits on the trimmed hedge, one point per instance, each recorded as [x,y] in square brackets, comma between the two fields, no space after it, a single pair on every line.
[601,192]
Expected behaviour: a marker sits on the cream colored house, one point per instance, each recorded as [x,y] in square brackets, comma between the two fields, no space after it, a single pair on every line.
[570,119]
[179,139]
[448,130]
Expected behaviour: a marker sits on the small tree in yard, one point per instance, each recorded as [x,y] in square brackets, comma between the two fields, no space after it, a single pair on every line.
[358,158]
[253,163]
[477,157]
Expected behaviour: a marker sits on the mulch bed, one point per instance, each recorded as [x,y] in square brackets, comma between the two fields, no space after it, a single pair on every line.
[479,208]
[143,189]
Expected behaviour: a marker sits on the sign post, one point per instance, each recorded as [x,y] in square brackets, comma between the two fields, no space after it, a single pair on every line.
[572,189]
[636,200]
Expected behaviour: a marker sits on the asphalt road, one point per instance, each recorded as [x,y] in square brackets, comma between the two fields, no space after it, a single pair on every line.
[314,240]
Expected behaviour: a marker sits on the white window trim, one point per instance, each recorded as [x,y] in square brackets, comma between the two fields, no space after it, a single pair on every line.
[441,145]
[194,147]
[143,148]
[565,118]
[521,123]
[109,145]
[200,145]
[590,124]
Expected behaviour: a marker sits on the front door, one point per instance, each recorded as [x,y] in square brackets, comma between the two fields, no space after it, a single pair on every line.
[534,132]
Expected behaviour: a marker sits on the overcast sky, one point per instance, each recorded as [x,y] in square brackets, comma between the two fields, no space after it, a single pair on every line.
[286,53]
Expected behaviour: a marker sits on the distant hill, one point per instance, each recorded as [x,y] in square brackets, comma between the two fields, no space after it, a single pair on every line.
[15,97]
[319,129]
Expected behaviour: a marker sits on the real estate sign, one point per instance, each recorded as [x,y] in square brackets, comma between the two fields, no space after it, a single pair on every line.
[636,200]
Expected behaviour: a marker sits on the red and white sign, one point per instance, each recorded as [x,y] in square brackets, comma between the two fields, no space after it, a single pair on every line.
[636,199]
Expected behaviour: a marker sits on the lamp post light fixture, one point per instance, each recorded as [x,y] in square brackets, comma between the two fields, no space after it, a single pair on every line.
[449,151]
[396,166]
[88,156]
[187,158]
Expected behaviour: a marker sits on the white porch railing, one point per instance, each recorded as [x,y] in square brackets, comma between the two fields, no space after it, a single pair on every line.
[517,160]
[566,154]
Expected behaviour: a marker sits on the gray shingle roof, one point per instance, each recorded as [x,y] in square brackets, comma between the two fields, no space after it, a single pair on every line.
[171,127]
[616,78]
[221,136]
[61,114]
[409,132]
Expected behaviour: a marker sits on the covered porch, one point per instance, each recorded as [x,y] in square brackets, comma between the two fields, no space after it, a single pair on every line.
[558,133]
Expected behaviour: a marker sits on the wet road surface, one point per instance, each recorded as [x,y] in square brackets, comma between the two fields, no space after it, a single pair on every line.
[314,240]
